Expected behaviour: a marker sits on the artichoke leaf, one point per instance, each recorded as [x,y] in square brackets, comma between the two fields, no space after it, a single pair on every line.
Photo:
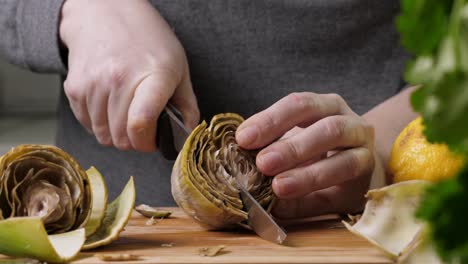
[100,196]
[151,212]
[27,237]
[389,220]
[116,217]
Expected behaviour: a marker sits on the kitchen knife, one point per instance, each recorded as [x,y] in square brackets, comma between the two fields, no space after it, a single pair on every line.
[260,220]
[172,132]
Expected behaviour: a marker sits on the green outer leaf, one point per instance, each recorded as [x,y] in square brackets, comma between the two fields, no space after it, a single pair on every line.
[117,215]
[27,237]
[99,200]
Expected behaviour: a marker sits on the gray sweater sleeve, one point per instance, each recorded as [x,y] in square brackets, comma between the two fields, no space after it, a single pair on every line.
[29,34]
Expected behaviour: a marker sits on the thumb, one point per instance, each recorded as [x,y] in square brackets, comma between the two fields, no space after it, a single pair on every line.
[185,101]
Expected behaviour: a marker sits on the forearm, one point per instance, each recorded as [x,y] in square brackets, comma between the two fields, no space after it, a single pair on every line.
[29,34]
[388,119]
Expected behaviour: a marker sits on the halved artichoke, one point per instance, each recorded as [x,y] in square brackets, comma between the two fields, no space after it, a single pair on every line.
[50,208]
[208,170]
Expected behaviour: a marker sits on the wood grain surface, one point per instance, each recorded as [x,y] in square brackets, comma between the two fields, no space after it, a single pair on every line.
[178,239]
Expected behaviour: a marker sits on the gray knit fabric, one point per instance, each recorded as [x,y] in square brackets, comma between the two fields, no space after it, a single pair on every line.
[244,55]
[28,34]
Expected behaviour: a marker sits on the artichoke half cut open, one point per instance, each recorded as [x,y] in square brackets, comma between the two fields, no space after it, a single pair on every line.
[208,170]
[50,208]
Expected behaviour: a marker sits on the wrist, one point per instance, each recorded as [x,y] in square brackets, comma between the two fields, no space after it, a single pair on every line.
[69,7]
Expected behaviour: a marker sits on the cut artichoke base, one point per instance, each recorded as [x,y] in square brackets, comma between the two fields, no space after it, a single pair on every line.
[389,223]
[103,227]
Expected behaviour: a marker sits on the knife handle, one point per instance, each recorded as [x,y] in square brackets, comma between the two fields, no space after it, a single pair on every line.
[165,137]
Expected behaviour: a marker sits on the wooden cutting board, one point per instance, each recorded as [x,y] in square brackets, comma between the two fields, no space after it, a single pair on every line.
[178,239]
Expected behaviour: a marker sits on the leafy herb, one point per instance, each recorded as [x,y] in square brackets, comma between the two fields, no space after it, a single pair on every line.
[436,32]
[445,208]
[420,17]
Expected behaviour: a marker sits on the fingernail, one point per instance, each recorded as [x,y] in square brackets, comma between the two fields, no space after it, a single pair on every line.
[269,162]
[284,186]
[247,136]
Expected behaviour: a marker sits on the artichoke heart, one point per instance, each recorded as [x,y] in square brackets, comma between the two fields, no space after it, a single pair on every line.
[50,208]
[208,171]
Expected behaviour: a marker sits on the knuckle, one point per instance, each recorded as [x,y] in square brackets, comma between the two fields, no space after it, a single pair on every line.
[312,178]
[74,90]
[358,161]
[139,122]
[334,128]
[293,151]
[116,73]
[267,121]
[336,98]
[167,73]
[303,101]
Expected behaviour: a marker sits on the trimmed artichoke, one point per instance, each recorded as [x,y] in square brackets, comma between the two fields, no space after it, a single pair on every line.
[44,182]
[208,170]
[50,208]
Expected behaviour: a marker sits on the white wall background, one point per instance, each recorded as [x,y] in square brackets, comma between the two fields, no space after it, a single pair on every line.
[26,93]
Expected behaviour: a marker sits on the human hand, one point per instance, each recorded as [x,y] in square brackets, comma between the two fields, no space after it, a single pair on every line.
[125,63]
[324,162]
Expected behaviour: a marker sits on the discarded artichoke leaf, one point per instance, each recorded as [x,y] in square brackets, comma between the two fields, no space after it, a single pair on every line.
[211,251]
[388,220]
[27,237]
[117,215]
[168,244]
[149,211]
[117,257]
[99,194]
[206,173]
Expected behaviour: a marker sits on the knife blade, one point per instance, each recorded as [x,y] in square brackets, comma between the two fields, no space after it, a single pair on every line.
[172,132]
[260,220]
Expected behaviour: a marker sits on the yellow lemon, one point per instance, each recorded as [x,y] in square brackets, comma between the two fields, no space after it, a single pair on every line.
[414,158]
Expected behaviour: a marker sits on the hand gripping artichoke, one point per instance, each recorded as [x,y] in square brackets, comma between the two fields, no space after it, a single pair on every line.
[208,170]
[50,208]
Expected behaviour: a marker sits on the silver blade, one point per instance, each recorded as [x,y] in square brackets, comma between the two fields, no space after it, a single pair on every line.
[179,131]
[261,221]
